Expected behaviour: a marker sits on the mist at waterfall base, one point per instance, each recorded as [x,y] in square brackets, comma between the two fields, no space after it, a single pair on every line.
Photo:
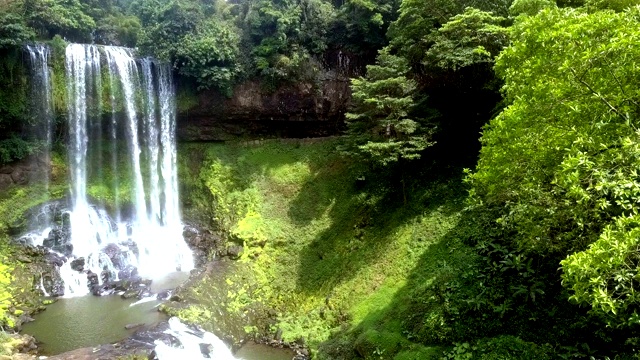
[121,122]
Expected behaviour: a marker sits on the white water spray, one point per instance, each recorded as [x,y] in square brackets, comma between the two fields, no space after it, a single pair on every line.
[195,344]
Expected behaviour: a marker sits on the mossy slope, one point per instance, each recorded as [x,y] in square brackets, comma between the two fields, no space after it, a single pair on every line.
[331,252]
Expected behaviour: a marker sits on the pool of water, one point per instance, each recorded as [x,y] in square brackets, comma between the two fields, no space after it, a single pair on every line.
[252,351]
[86,321]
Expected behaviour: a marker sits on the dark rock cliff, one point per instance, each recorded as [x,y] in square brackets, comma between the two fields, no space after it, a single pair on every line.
[296,110]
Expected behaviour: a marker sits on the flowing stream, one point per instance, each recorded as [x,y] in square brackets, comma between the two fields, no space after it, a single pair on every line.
[121,220]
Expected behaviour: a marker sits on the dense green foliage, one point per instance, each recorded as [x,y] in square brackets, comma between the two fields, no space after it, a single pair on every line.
[62,17]
[558,167]
[211,57]
[280,36]
[13,28]
[383,254]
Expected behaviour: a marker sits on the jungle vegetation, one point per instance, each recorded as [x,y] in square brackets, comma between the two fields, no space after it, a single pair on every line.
[538,100]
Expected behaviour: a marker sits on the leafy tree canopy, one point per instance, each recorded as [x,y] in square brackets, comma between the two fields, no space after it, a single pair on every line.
[418,19]
[210,56]
[280,36]
[165,25]
[561,160]
[469,38]
[530,7]
[361,25]
[63,17]
[13,28]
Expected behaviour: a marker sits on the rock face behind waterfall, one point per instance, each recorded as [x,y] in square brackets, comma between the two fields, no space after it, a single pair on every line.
[297,110]
[30,169]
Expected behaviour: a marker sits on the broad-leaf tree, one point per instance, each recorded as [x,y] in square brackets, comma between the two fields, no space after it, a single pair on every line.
[280,36]
[561,161]
[210,56]
[62,17]
[13,27]
[473,37]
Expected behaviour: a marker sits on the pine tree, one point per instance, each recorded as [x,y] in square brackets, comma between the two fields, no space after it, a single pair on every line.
[379,126]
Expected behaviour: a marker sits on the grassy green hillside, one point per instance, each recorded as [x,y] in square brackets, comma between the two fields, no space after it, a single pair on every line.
[332,256]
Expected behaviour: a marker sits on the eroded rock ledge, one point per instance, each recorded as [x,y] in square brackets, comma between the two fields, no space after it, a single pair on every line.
[296,110]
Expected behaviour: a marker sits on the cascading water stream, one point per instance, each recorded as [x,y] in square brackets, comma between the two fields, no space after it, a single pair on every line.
[195,344]
[41,102]
[42,113]
[102,246]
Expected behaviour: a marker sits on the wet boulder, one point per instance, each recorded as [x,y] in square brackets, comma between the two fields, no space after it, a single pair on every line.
[78,264]
[144,293]
[103,290]
[59,240]
[117,255]
[131,246]
[48,214]
[92,279]
[164,295]
[202,241]
[35,251]
[133,287]
[111,250]
[107,276]
[65,220]
[57,237]
[65,249]
[235,251]
[54,259]
[133,326]
[53,284]
[130,294]
[126,284]
[128,272]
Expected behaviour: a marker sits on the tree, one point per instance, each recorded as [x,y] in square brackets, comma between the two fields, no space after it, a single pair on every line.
[361,26]
[411,33]
[561,161]
[165,24]
[63,17]
[280,37]
[13,28]
[473,37]
[380,128]
[615,5]
[119,30]
[530,7]
[210,56]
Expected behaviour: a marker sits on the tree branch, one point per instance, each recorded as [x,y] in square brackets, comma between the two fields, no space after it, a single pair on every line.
[599,96]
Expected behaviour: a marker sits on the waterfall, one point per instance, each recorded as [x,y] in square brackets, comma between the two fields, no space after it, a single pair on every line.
[42,103]
[142,106]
